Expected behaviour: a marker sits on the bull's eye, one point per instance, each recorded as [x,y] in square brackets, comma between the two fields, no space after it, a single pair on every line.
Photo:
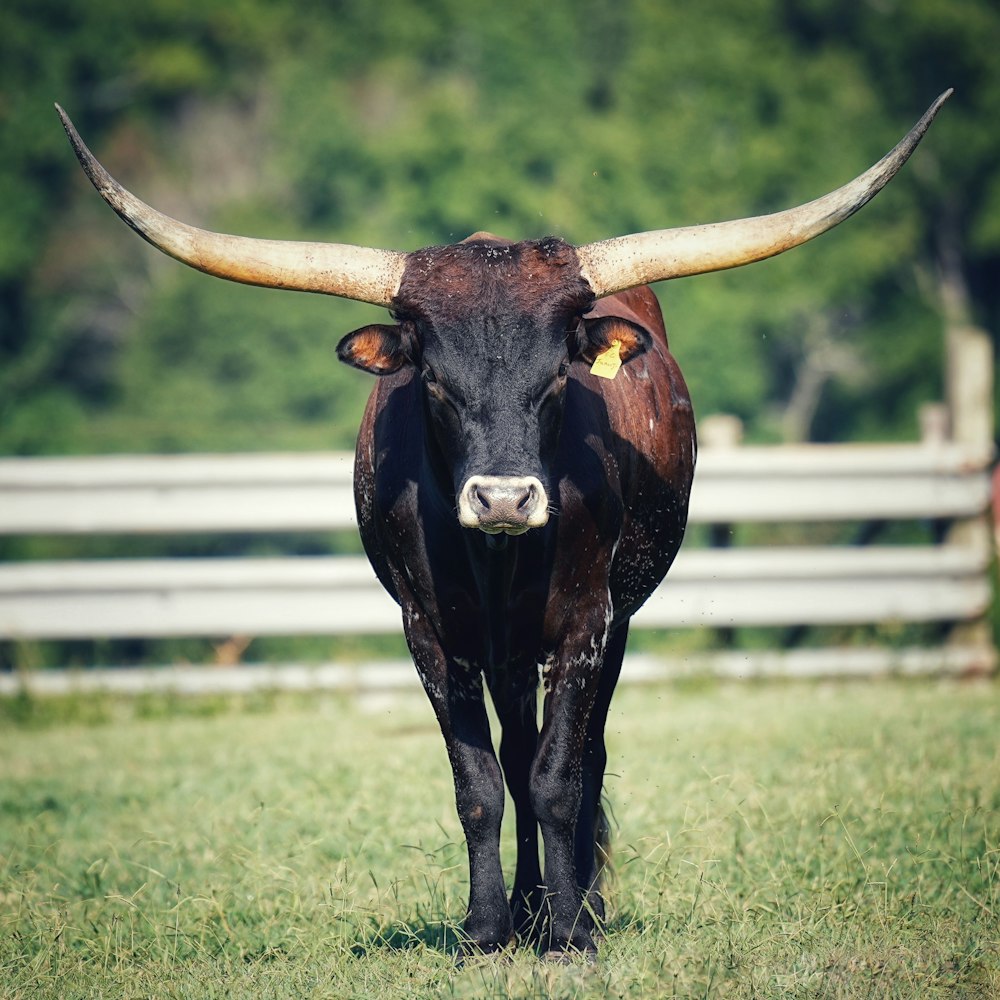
[436,392]
[563,369]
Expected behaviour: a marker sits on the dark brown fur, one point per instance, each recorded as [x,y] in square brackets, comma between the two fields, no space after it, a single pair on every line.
[492,356]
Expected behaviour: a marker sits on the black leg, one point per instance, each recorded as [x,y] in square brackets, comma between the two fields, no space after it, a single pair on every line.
[514,693]
[456,694]
[591,826]
[480,801]
[557,782]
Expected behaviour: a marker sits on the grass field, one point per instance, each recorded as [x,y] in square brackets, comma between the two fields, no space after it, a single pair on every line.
[770,841]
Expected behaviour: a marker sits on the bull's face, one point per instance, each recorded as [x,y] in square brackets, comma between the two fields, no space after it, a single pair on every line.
[492,328]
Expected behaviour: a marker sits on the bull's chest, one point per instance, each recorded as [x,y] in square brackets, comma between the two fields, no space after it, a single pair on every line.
[489,604]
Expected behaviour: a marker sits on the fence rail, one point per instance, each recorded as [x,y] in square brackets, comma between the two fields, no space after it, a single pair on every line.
[312,492]
[946,582]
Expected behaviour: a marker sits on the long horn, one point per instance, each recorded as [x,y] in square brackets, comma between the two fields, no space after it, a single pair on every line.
[626,261]
[362,273]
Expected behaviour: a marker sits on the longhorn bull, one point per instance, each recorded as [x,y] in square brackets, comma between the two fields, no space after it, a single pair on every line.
[517,505]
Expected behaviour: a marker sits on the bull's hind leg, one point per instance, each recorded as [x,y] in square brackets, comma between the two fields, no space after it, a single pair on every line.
[591,842]
[514,694]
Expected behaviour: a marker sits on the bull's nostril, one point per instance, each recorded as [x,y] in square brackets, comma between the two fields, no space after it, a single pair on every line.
[482,498]
[529,496]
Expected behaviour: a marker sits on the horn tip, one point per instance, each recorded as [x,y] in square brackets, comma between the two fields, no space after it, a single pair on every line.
[942,97]
[67,123]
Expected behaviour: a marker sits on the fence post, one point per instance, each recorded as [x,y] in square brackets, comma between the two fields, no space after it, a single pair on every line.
[969,374]
[721,430]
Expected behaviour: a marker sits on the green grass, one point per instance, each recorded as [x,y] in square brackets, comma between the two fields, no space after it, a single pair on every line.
[771,841]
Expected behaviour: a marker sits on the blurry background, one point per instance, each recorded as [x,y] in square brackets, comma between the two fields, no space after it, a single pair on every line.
[420,121]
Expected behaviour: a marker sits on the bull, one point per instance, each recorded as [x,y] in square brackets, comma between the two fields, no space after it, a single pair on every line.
[517,505]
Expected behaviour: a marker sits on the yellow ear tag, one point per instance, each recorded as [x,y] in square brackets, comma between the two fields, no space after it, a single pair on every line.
[607,363]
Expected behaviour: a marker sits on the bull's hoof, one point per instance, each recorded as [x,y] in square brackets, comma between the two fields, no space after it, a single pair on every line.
[473,952]
[569,949]
[571,956]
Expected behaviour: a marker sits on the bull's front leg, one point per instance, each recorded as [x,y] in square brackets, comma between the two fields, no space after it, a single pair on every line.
[515,699]
[572,680]
[456,694]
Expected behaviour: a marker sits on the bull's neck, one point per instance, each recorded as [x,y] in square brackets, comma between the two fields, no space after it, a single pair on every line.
[494,582]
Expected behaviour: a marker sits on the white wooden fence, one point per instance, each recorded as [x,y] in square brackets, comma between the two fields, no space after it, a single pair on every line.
[727,587]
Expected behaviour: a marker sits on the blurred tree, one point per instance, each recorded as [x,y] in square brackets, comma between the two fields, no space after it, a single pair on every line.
[62,290]
[426,121]
[420,121]
[923,44]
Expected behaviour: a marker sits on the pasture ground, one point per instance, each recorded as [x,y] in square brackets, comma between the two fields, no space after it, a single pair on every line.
[785,840]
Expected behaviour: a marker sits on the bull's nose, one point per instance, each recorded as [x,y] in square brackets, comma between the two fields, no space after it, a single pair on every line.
[511,504]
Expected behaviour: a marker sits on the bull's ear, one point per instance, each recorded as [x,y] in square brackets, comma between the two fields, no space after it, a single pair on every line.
[377,349]
[598,334]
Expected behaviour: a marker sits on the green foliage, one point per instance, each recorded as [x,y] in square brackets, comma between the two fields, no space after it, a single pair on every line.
[421,122]
[769,841]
